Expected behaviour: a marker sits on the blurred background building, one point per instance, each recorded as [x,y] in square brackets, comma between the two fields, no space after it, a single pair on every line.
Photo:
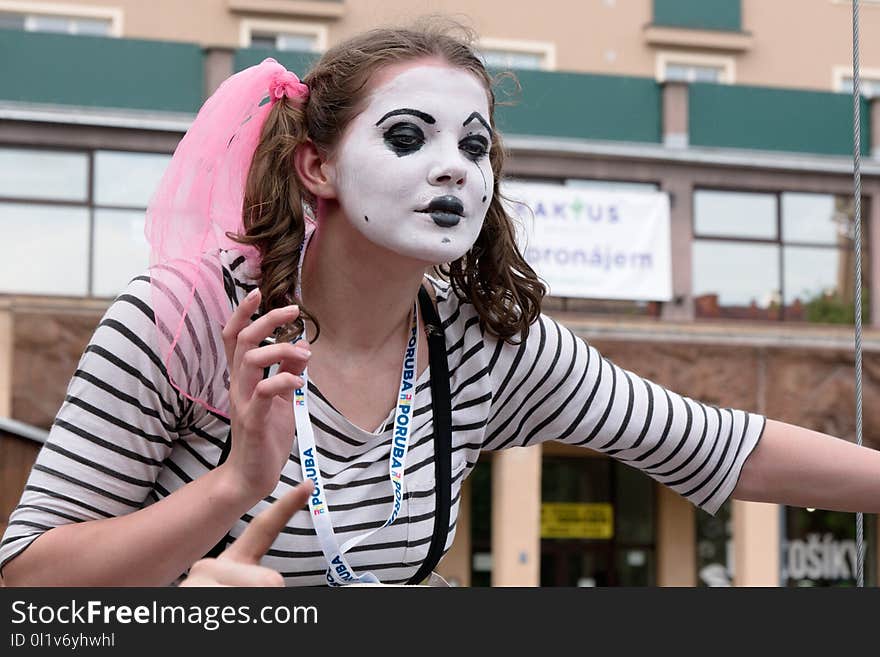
[737,110]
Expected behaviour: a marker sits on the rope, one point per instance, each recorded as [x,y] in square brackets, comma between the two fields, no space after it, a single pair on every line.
[857,245]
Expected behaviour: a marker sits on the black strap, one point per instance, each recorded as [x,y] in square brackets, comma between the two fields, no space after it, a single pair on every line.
[441,405]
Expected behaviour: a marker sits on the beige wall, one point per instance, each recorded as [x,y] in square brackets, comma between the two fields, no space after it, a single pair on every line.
[606,36]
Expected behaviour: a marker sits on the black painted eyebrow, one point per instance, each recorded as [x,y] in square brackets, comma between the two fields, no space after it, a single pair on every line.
[427,118]
[478,117]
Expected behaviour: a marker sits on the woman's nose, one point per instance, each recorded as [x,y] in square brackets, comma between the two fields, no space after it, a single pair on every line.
[450,170]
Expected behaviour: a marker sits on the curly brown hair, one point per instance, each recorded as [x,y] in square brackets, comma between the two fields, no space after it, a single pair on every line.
[492,275]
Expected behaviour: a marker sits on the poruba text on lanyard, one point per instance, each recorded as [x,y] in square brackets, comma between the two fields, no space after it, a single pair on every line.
[339,572]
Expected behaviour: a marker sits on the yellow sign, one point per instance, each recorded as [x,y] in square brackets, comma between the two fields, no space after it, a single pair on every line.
[577,520]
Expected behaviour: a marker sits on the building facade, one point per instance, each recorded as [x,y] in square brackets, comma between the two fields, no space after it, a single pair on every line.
[744,124]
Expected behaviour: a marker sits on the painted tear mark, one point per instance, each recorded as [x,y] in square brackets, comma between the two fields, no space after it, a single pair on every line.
[366,218]
[485,186]
[445,240]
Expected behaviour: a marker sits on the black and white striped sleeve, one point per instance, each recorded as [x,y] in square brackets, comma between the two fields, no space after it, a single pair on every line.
[111,435]
[554,386]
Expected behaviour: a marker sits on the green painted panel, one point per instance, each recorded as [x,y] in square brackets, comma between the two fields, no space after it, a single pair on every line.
[699,14]
[581,106]
[298,62]
[729,116]
[100,71]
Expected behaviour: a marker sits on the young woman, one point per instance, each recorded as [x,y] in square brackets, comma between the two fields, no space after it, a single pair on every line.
[390,143]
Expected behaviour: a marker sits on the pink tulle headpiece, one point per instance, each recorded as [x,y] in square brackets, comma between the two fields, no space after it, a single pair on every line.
[198,201]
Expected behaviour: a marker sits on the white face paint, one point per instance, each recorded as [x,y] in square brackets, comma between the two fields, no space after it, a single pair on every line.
[412,171]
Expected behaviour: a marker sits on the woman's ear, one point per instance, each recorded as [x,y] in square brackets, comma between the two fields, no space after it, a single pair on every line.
[313,171]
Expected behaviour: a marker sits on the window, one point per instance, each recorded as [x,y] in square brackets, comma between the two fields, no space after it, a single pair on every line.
[690,67]
[775,256]
[481,522]
[504,53]
[869,81]
[597,523]
[75,219]
[715,547]
[283,35]
[819,548]
[81,20]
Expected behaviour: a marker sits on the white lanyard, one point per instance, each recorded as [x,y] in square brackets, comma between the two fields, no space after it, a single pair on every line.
[339,572]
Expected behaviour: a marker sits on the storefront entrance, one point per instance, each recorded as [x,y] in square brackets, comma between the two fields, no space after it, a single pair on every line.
[597,523]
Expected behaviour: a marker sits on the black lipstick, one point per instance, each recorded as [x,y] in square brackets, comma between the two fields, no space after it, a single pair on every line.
[446,211]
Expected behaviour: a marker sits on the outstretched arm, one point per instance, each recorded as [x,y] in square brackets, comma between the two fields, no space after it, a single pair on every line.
[799,467]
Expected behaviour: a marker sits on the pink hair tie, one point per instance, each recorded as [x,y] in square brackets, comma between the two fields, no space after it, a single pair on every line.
[287,84]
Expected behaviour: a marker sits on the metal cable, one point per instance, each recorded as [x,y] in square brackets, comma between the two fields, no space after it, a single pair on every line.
[857,245]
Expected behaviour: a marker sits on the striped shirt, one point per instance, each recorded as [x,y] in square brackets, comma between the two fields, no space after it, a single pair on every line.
[124,438]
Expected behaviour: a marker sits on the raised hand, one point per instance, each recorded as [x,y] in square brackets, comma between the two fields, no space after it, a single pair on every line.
[239,564]
[261,410]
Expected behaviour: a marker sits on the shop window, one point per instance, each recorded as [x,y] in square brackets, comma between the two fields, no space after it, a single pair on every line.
[597,524]
[819,548]
[715,547]
[481,523]
[776,256]
[76,219]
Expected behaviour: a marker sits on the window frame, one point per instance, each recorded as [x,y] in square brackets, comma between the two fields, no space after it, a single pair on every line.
[247,27]
[114,14]
[89,203]
[779,241]
[546,49]
[664,58]
[841,73]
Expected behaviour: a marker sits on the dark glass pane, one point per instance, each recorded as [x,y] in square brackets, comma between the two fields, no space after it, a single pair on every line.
[634,506]
[481,523]
[575,479]
[634,566]
[715,547]
[265,41]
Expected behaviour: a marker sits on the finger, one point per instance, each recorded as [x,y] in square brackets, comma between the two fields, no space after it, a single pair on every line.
[240,318]
[225,572]
[260,329]
[291,358]
[281,385]
[264,529]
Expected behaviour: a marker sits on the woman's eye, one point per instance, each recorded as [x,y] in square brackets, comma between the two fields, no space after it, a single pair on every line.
[475,147]
[404,138]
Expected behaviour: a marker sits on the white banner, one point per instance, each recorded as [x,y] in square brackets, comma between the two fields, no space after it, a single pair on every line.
[595,244]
